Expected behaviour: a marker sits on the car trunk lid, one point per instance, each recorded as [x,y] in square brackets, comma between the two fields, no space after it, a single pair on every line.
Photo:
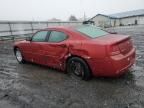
[117,43]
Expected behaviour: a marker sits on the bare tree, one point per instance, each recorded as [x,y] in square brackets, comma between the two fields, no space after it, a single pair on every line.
[73,18]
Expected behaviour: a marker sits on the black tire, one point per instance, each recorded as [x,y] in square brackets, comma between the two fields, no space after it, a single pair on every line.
[85,73]
[19,60]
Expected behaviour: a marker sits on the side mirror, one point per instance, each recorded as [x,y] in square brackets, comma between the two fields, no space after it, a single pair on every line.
[28,38]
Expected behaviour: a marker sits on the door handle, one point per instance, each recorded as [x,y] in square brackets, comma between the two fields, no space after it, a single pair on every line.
[62,45]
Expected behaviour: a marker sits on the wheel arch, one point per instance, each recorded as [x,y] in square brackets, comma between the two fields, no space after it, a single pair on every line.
[84,59]
[14,49]
[17,47]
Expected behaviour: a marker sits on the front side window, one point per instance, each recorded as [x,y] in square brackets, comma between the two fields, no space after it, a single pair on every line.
[56,36]
[40,36]
[91,31]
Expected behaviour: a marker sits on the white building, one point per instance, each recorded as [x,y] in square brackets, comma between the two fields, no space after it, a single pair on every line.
[120,19]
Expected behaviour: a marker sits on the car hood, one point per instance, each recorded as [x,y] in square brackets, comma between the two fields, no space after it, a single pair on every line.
[19,42]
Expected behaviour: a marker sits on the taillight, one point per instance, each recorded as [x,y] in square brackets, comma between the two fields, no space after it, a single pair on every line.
[115,50]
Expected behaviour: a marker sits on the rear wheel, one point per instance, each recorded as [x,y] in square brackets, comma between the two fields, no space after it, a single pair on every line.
[78,67]
[19,56]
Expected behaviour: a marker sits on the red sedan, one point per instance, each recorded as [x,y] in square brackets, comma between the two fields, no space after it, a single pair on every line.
[83,50]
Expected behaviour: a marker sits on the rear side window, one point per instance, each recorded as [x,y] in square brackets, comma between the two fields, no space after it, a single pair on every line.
[91,31]
[40,36]
[57,36]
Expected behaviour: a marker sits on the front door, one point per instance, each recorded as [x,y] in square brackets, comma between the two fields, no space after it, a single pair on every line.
[36,45]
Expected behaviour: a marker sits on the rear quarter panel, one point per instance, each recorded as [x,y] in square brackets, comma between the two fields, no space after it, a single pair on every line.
[94,50]
[94,53]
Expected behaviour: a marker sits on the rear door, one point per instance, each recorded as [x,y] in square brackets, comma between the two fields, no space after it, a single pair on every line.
[56,48]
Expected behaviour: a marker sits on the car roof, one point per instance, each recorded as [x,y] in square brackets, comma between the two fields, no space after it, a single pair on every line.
[60,27]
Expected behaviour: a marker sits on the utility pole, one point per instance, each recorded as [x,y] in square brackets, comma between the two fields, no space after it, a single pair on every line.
[84,16]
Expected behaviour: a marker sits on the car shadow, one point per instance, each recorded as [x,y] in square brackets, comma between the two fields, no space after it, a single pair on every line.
[127,78]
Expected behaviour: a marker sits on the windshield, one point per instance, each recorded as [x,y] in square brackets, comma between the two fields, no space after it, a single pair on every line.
[91,31]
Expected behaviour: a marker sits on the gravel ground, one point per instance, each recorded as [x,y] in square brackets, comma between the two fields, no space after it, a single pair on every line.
[33,86]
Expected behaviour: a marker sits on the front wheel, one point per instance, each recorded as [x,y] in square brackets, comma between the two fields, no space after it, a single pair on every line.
[79,67]
[19,56]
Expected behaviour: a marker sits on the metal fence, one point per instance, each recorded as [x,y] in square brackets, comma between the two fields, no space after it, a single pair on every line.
[22,29]
[127,29]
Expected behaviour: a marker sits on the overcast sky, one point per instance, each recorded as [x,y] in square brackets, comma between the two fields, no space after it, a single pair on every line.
[62,9]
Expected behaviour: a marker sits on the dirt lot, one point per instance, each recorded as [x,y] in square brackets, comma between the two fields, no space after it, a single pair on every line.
[34,86]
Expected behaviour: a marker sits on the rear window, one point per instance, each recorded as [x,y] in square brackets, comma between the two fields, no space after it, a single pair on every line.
[91,31]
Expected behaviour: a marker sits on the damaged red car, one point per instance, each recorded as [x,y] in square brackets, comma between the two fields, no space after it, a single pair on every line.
[84,50]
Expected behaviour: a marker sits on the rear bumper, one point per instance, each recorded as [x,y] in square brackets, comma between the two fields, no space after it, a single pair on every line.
[122,63]
[113,66]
